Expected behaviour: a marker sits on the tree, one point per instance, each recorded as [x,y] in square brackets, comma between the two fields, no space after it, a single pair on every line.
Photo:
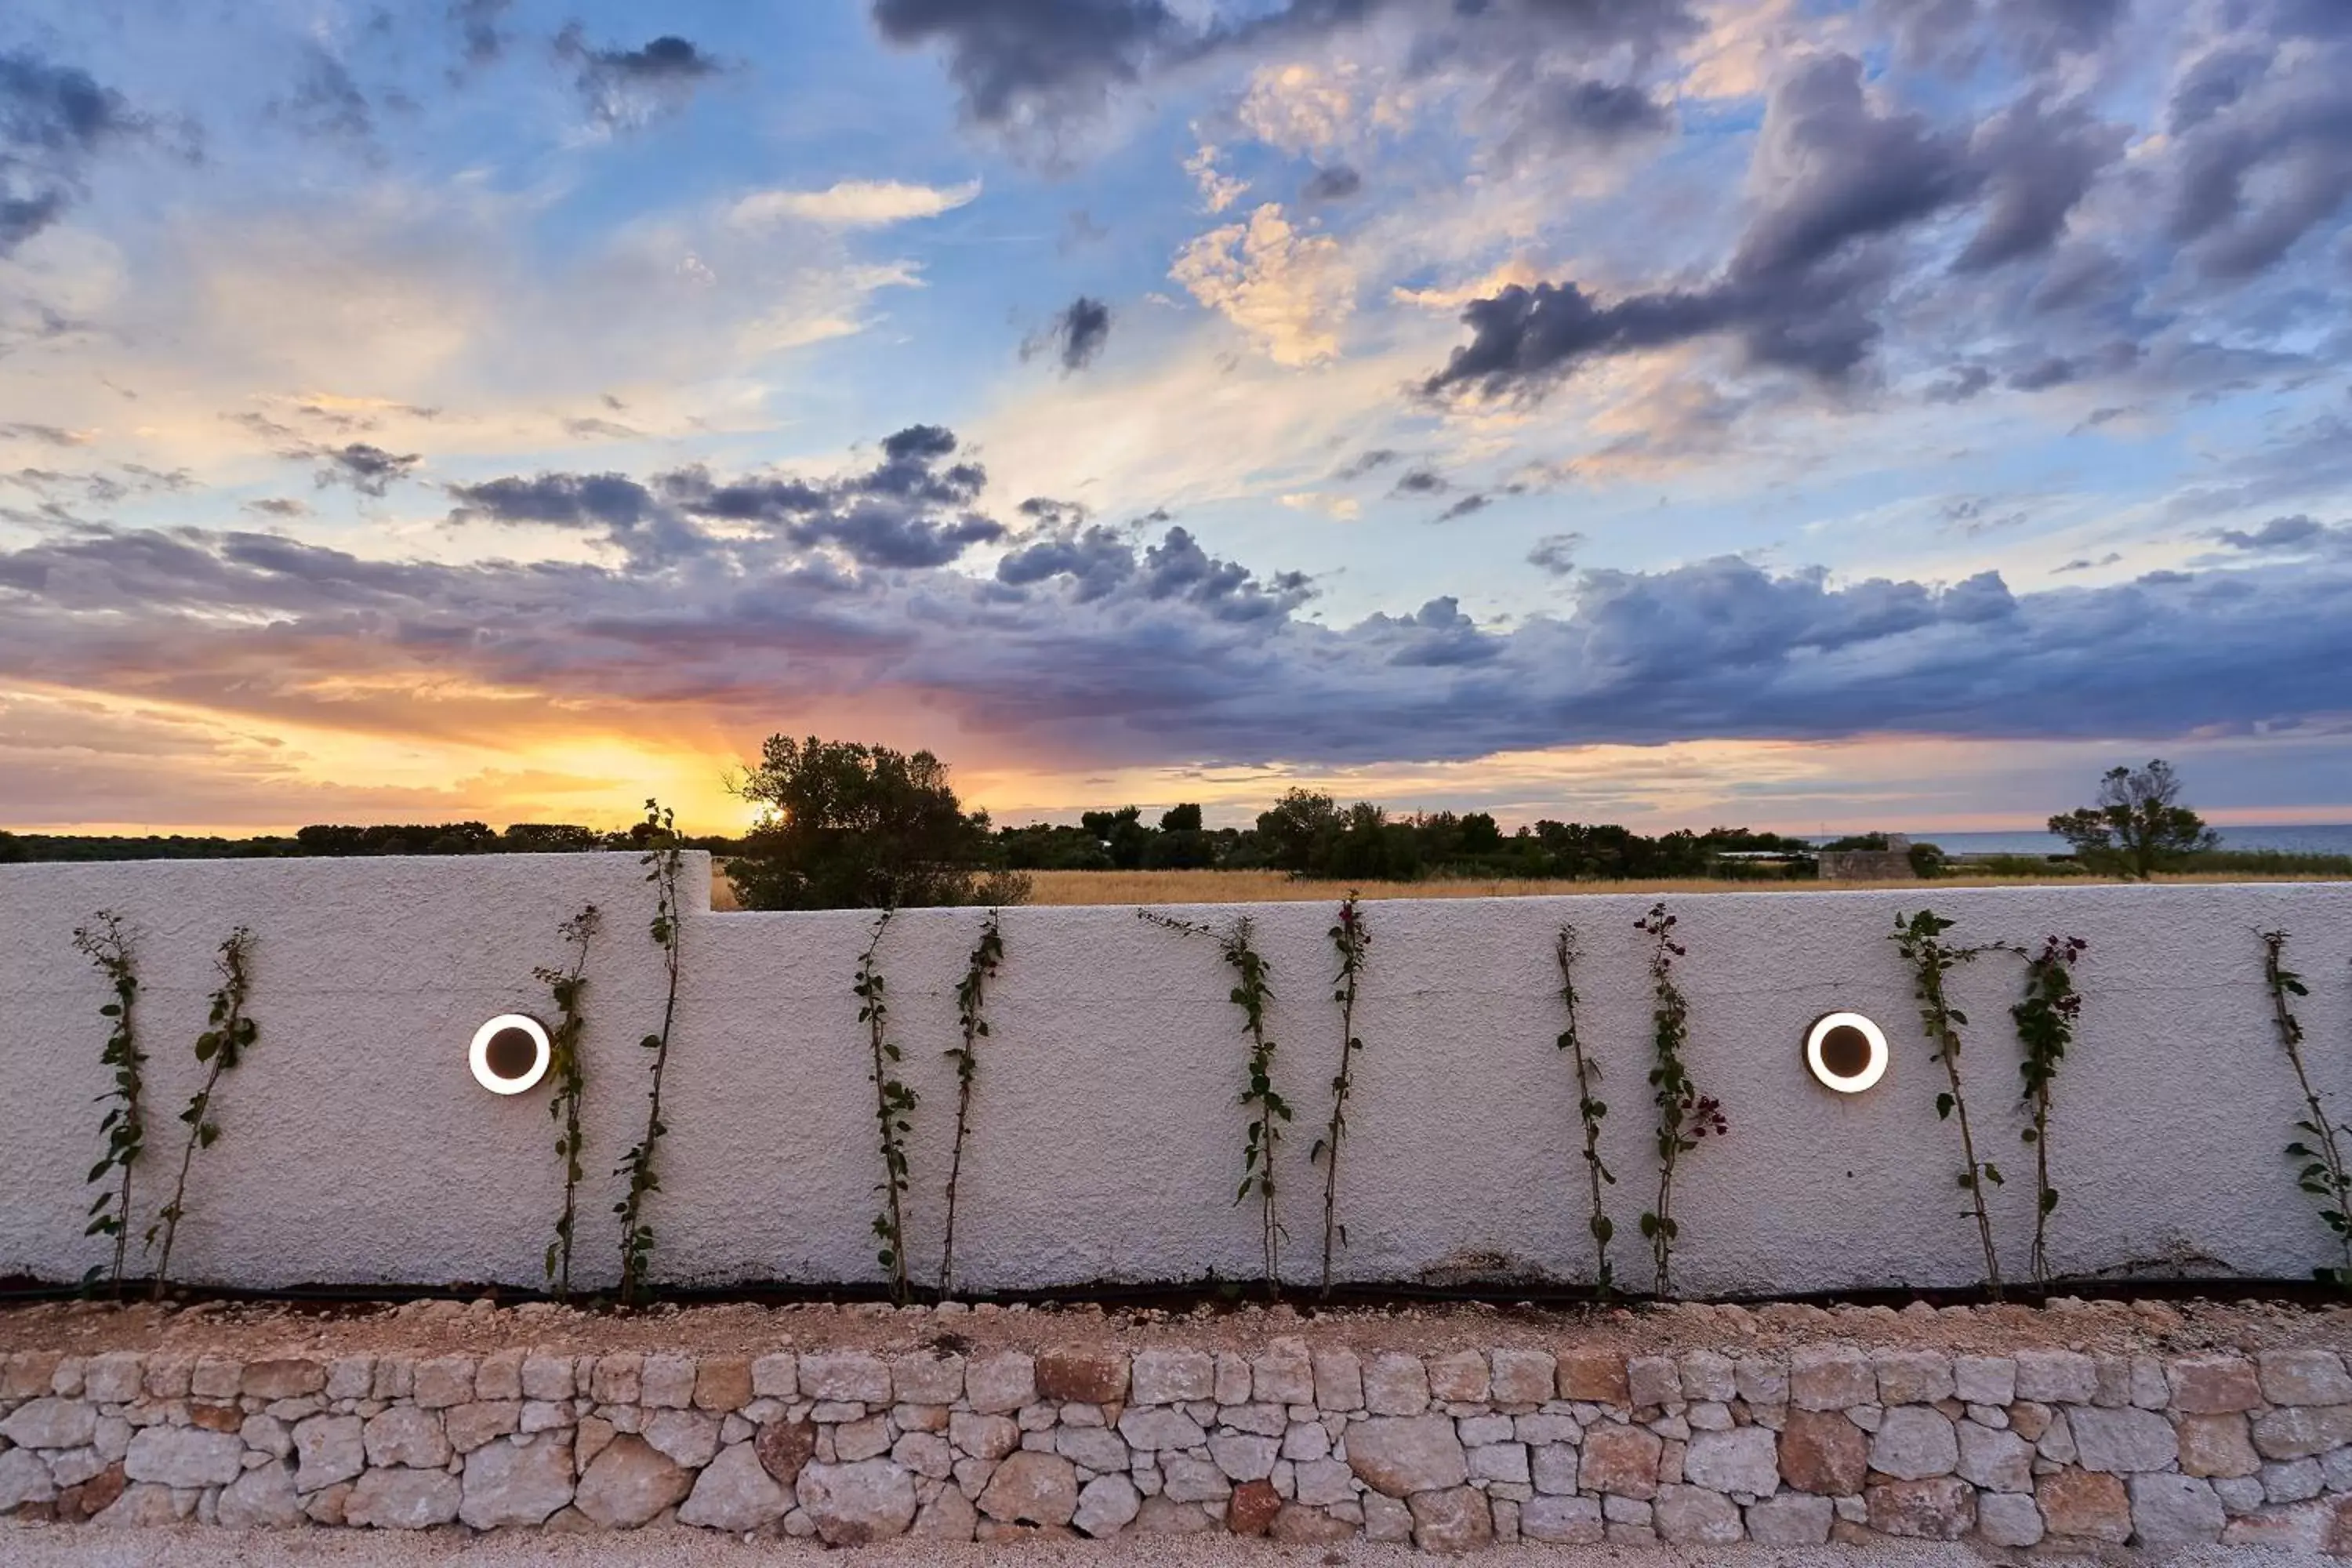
[2138,824]
[1181,844]
[847,825]
[10,848]
[1292,833]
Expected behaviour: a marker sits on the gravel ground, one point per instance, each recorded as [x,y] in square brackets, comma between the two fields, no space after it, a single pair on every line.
[430,1327]
[50,1546]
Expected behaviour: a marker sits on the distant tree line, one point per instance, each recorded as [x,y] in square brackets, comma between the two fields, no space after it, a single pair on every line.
[844,824]
[335,840]
[1309,833]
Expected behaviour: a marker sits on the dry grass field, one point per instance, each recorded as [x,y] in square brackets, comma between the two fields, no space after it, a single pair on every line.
[1274,887]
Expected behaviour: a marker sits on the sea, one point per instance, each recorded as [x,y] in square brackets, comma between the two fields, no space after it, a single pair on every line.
[2307,838]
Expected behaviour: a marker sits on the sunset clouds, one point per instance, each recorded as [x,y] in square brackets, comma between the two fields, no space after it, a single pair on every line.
[509,411]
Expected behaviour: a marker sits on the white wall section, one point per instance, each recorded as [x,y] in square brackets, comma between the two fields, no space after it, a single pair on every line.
[357,1148]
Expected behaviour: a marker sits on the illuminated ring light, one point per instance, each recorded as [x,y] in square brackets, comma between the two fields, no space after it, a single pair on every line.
[1846,1052]
[511,1053]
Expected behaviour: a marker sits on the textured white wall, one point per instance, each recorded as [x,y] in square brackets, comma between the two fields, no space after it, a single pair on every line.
[355,1147]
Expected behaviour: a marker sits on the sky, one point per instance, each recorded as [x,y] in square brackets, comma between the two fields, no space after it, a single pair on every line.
[1789,413]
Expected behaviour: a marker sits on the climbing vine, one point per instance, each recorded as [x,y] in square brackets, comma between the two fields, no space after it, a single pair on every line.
[229,1033]
[1352,941]
[1590,1110]
[1920,939]
[664,861]
[972,1018]
[1267,1109]
[1686,1117]
[564,987]
[2045,1028]
[2323,1175]
[893,1100]
[102,941]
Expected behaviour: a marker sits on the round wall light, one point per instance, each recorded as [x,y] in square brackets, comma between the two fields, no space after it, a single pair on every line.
[1846,1052]
[511,1053]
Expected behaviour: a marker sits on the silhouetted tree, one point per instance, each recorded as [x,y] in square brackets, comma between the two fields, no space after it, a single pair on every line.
[855,826]
[2138,824]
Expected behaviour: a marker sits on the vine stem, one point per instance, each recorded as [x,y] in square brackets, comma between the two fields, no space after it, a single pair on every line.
[1952,1054]
[972,996]
[875,1012]
[1920,940]
[228,1034]
[1350,937]
[2289,1030]
[1590,1110]
[570,1087]
[1268,1109]
[665,857]
[125,1126]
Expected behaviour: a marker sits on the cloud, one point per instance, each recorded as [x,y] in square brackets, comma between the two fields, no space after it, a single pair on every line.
[853,204]
[1077,334]
[1087,643]
[1287,288]
[1838,178]
[46,434]
[1463,508]
[55,122]
[1555,554]
[2264,155]
[2299,533]
[1336,183]
[628,88]
[369,470]
[326,101]
[1024,65]
[1957,34]
[477,22]
[907,511]
[1577,113]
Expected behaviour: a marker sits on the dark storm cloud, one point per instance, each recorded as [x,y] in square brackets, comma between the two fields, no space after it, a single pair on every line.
[911,509]
[1335,184]
[55,122]
[628,86]
[1574,113]
[2299,533]
[1076,335]
[2039,163]
[2264,148]
[1023,64]
[1803,285]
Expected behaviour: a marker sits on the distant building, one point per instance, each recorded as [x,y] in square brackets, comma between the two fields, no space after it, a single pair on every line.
[1892,864]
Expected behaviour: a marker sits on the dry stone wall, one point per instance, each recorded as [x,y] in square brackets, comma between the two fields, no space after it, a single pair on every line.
[1449,1451]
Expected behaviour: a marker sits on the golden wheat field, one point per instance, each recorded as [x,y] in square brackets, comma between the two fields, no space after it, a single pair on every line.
[1274,887]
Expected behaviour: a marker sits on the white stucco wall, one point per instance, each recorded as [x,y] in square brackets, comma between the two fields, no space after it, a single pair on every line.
[355,1147]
